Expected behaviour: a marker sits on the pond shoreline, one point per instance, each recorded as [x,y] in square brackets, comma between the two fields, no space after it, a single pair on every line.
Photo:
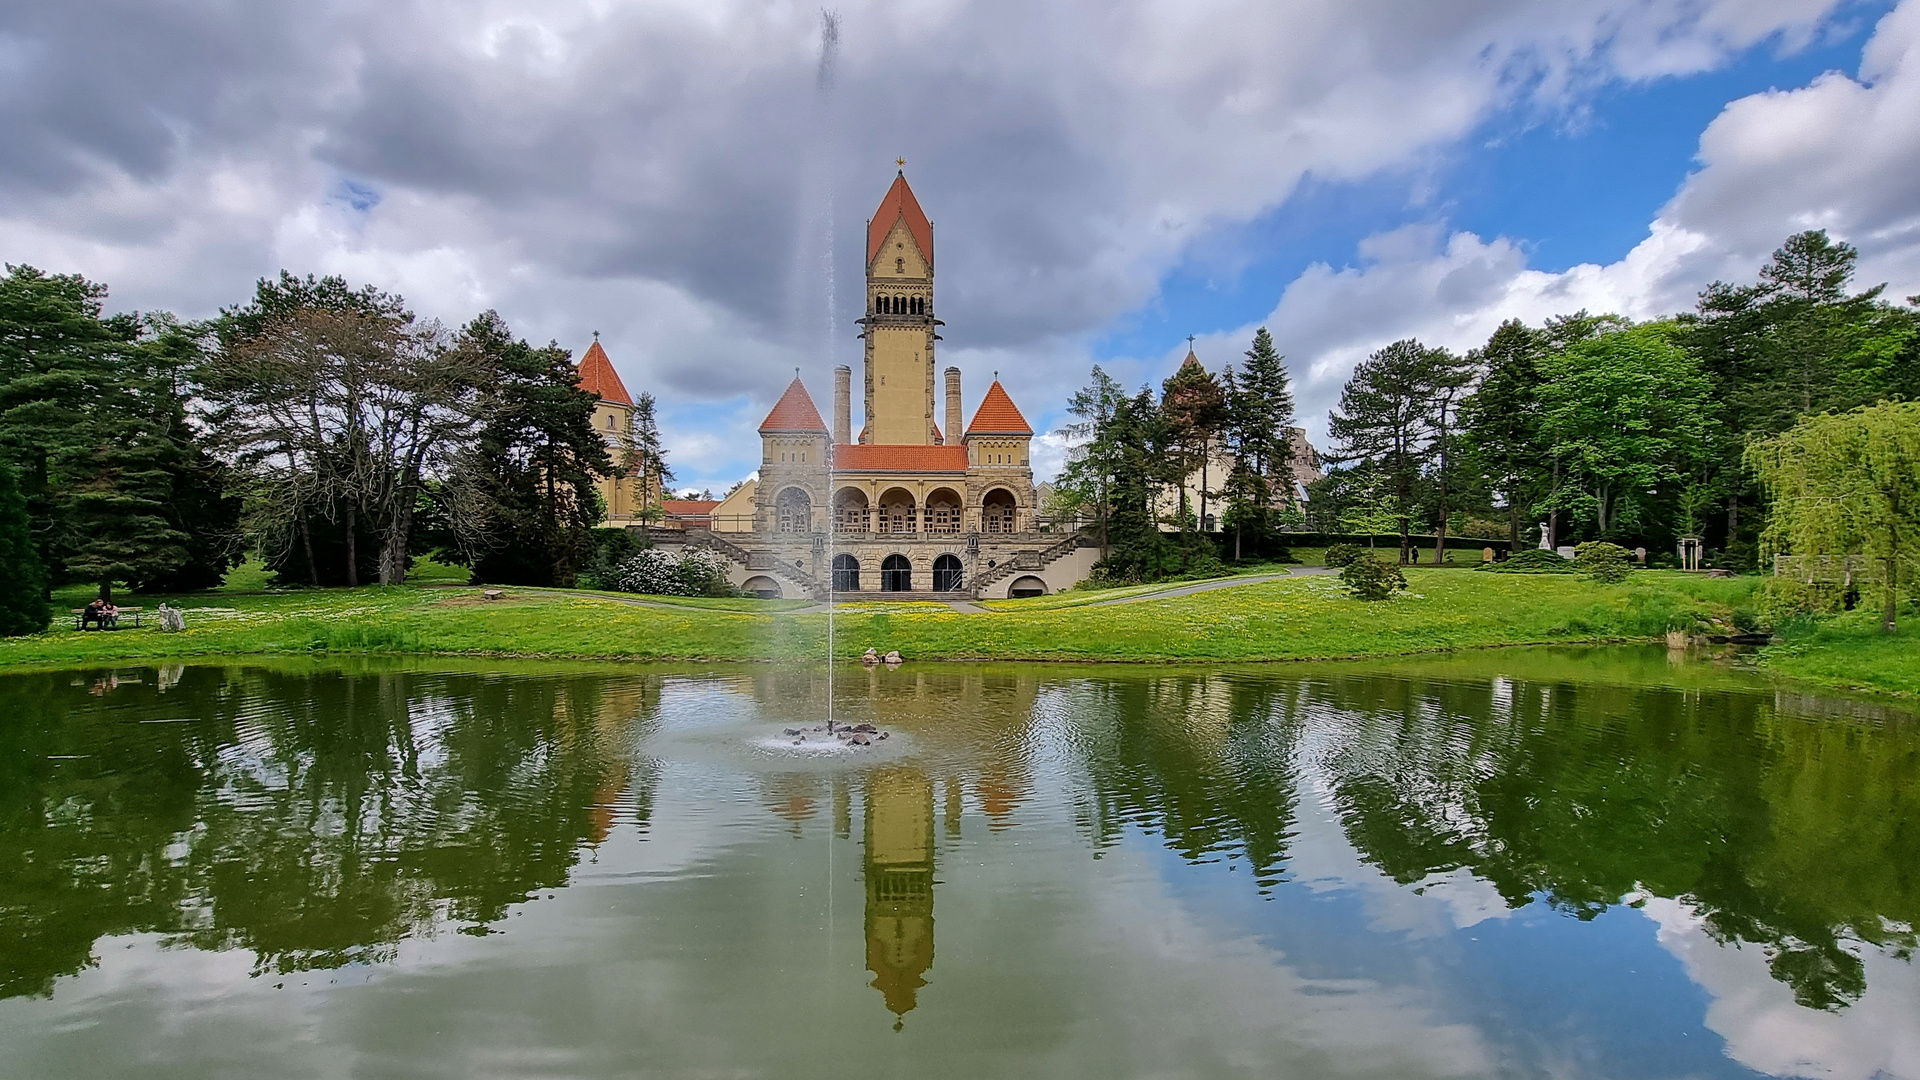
[1291,619]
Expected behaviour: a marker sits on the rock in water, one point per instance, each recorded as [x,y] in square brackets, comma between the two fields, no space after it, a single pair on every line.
[858,740]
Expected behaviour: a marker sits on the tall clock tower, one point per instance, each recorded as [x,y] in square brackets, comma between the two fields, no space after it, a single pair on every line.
[899,324]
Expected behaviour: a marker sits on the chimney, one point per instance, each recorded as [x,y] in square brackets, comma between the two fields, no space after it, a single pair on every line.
[953,406]
[842,405]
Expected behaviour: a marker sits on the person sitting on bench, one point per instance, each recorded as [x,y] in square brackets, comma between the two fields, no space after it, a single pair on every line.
[109,615]
[93,613]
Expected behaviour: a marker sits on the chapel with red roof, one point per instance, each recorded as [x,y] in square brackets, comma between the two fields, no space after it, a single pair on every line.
[918,502]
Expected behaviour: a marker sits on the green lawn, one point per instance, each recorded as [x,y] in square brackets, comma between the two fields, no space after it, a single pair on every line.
[1294,618]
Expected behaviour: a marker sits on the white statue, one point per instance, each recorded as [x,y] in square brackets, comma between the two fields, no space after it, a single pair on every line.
[1546,538]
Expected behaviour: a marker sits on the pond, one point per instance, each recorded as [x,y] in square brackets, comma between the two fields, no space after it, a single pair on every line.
[1519,863]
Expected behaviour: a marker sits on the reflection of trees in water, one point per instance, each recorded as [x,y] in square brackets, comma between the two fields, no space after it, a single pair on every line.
[1206,761]
[315,819]
[1794,834]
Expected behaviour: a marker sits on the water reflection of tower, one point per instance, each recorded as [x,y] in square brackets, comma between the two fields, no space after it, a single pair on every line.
[899,873]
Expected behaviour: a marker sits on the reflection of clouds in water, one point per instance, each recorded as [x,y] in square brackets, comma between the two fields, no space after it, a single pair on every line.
[1220,991]
[1767,1030]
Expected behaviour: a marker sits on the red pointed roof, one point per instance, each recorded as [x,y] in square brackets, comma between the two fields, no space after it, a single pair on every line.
[794,411]
[997,415]
[598,377]
[898,204]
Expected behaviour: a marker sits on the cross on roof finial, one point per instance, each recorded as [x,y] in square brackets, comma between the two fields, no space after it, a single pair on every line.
[1189,342]
[596,335]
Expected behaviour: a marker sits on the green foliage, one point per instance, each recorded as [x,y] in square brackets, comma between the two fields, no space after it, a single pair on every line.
[1531,561]
[1387,417]
[1342,555]
[1848,484]
[23,583]
[1370,578]
[1501,420]
[93,416]
[532,476]
[1603,561]
[1626,413]
[611,548]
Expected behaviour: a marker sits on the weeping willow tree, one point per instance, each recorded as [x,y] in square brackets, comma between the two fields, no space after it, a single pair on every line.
[1848,484]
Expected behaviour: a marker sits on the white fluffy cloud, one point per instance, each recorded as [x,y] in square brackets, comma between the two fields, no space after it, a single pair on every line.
[1839,154]
[665,171]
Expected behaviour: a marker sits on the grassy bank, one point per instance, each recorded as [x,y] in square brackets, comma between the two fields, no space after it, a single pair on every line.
[1296,618]
[1851,652]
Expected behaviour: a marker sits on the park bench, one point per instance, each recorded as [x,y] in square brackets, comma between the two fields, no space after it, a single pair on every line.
[129,617]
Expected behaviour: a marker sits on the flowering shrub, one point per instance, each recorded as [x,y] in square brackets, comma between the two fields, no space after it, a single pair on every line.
[695,572]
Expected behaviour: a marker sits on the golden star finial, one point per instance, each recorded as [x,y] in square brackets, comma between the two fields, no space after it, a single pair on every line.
[901,163]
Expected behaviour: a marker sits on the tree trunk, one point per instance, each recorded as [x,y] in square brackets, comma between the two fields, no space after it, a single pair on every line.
[353,553]
[1733,517]
[1890,613]
[106,592]
[306,541]
[1513,524]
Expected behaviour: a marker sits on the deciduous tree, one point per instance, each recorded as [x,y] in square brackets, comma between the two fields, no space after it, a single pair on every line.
[1848,484]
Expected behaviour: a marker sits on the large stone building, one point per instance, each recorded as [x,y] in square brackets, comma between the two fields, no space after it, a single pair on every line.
[917,504]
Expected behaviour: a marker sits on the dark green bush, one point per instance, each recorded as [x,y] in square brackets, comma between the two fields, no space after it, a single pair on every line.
[1370,578]
[1340,555]
[1602,561]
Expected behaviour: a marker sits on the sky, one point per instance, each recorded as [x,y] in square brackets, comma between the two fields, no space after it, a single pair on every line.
[691,178]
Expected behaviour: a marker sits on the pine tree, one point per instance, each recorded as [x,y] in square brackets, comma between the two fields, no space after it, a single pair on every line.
[1260,419]
[1386,420]
[23,583]
[645,458]
[1093,461]
[1193,409]
[527,497]
[1500,421]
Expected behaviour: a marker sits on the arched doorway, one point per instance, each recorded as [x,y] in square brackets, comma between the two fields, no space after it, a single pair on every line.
[762,586]
[896,511]
[943,511]
[947,574]
[998,511]
[793,511]
[1027,586]
[896,574]
[846,573]
[850,510]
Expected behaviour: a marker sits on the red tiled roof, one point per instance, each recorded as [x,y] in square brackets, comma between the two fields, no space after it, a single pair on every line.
[598,377]
[855,457]
[898,204]
[794,412]
[997,415]
[689,507]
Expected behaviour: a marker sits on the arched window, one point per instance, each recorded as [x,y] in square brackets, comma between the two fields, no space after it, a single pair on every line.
[896,574]
[946,574]
[919,306]
[943,511]
[899,266]
[896,512]
[850,510]
[846,573]
[998,511]
[794,511]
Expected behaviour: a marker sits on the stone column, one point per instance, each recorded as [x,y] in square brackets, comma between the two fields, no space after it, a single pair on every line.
[842,405]
[953,406]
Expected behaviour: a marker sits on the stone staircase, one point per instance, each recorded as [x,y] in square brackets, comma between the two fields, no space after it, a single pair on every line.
[1028,561]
